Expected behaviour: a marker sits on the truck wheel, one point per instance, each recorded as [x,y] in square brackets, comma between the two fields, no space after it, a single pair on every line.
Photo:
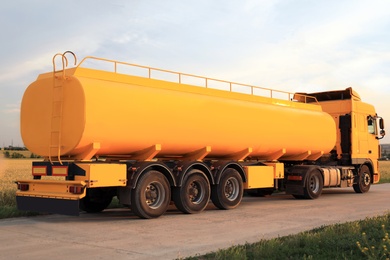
[314,185]
[363,180]
[227,194]
[151,196]
[194,195]
[96,200]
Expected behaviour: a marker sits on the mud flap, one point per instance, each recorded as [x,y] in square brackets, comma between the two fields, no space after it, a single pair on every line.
[49,205]
[294,189]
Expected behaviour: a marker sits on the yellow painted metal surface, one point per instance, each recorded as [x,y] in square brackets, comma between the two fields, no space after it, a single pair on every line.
[106,113]
[278,169]
[364,145]
[103,175]
[53,189]
[259,177]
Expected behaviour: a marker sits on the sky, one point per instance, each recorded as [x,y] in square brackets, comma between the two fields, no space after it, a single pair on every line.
[288,45]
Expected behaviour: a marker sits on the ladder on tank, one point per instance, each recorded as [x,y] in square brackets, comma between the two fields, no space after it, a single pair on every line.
[57,106]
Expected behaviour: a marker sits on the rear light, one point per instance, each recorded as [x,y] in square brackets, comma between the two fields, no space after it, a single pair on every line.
[76,189]
[294,177]
[23,186]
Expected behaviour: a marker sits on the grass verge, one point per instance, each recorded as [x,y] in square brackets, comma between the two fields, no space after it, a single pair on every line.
[365,239]
[8,207]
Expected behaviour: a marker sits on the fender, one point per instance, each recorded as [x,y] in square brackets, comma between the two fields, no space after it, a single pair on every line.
[220,166]
[134,171]
[180,170]
[296,179]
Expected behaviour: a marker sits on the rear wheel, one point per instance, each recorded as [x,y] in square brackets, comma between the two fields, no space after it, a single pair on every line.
[363,180]
[152,195]
[314,185]
[194,195]
[96,200]
[227,194]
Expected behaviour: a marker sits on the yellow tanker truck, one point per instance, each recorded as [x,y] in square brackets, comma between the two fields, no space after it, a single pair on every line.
[152,136]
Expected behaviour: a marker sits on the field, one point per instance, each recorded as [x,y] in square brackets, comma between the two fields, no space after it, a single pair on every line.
[384,168]
[11,170]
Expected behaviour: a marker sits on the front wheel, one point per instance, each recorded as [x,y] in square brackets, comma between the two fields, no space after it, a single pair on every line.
[227,194]
[363,182]
[152,195]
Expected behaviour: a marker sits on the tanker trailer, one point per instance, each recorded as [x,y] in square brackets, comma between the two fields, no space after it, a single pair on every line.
[149,141]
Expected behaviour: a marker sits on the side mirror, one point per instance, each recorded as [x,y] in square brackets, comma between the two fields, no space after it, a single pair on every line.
[382,132]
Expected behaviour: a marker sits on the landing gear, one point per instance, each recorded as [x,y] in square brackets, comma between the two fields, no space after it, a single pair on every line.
[194,195]
[363,182]
[260,192]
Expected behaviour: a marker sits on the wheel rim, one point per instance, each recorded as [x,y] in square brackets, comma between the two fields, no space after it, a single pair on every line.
[231,189]
[154,195]
[314,184]
[366,179]
[195,192]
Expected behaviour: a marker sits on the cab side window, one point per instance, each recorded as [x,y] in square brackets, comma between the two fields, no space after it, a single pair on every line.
[371,125]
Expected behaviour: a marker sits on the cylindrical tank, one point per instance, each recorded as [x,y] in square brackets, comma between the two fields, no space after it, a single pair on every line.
[127,114]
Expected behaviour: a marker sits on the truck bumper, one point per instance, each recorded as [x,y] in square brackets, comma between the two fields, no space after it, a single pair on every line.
[61,197]
[49,205]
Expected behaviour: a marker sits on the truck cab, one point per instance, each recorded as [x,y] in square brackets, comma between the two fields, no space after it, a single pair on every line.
[358,129]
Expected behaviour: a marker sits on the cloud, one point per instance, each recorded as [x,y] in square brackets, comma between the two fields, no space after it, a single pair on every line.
[287,45]
[10,108]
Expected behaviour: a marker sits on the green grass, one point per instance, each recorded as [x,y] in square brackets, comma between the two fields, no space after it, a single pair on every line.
[384,168]
[365,239]
[8,207]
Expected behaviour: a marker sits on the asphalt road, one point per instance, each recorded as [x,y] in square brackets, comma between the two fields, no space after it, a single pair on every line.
[118,234]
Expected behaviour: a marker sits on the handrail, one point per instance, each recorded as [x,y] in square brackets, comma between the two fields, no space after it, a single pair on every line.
[64,61]
[291,96]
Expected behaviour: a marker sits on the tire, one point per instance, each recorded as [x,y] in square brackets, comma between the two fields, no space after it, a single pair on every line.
[96,200]
[194,194]
[363,180]
[151,196]
[227,194]
[260,192]
[314,185]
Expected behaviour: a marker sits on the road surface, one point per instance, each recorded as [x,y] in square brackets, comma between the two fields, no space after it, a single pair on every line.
[118,234]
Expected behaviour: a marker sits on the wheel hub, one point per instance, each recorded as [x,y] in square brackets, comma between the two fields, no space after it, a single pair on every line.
[314,184]
[151,194]
[231,189]
[366,179]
